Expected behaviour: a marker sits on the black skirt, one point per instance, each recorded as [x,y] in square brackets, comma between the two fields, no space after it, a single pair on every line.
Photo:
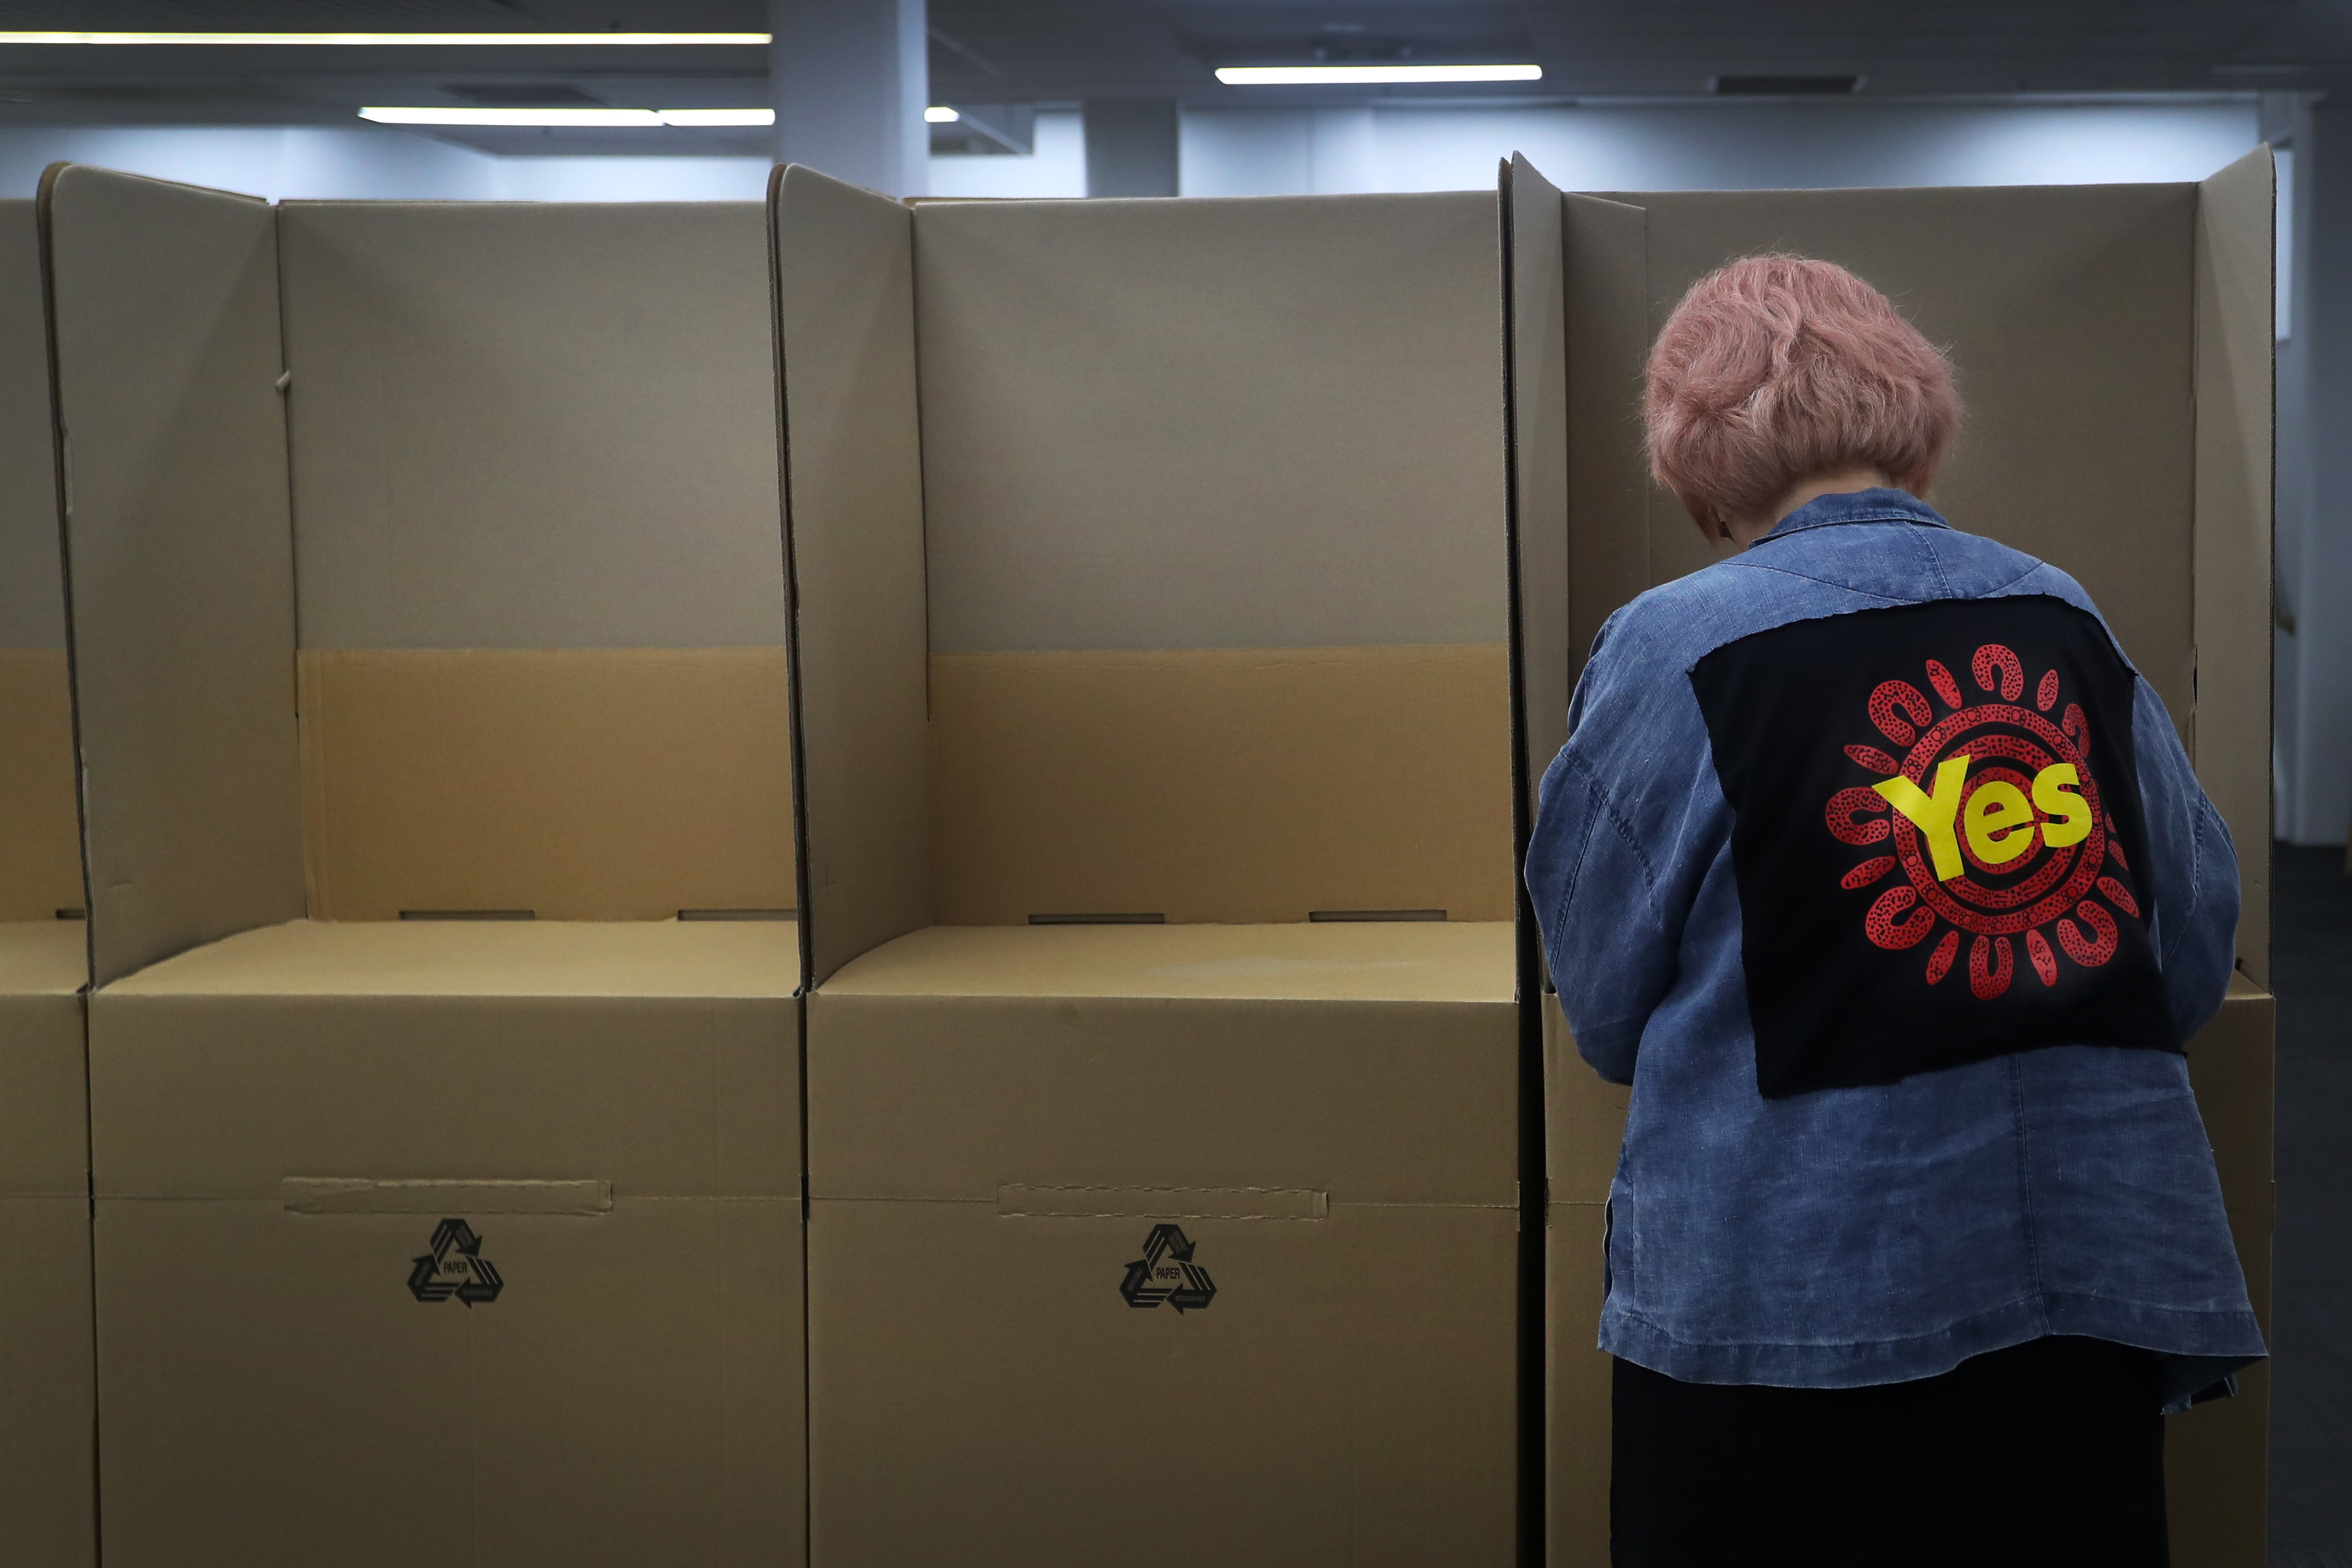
[2049,1452]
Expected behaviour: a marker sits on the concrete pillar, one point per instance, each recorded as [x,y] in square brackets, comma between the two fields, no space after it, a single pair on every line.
[1130,148]
[2313,636]
[851,79]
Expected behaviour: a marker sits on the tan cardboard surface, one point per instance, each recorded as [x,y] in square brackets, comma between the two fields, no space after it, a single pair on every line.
[46,1376]
[844,266]
[981,1394]
[2234,325]
[583,783]
[1420,960]
[1609,328]
[1212,423]
[450,959]
[1539,459]
[614,1111]
[2092,327]
[44,1122]
[48,1507]
[532,424]
[1226,784]
[2231,1065]
[632,1395]
[32,592]
[1576,1387]
[2065,309]
[1584,1117]
[164,305]
[40,830]
[1364,1101]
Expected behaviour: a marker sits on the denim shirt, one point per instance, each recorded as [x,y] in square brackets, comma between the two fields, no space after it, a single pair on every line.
[1887,1231]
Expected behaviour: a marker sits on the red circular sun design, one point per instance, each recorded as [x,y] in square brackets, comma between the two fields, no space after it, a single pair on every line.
[2048,886]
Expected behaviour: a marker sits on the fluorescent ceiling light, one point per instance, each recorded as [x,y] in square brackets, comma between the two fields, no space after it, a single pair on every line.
[1315,76]
[640,118]
[396,40]
[716,116]
[940,114]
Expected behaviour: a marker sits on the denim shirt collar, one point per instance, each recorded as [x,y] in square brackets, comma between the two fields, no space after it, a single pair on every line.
[1878,504]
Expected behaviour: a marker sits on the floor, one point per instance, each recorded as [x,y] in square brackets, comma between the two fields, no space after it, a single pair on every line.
[2311,1418]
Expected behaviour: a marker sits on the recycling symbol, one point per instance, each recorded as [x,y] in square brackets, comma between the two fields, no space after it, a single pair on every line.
[456,1266]
[1166,1272]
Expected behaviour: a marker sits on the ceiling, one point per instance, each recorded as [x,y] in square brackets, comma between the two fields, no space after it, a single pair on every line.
[1054,51]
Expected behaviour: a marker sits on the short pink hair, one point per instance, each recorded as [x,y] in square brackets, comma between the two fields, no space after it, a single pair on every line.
[1779,367]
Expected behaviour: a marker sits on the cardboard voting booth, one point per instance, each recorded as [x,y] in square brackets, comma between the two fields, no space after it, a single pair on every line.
[2114,350]
[1153,700]
[428,613]
[47,1374]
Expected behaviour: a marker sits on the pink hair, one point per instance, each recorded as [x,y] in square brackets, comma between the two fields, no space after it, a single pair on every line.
[1776,368]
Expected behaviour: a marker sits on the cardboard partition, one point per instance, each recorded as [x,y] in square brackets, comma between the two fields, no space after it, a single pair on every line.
[446,972]
[2114,348]
[1151,620]
[48,1507]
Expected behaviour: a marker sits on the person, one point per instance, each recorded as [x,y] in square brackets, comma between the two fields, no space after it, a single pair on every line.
[1879,873]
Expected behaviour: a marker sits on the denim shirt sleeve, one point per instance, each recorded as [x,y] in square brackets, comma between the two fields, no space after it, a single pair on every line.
[1611,865]
[2195,874]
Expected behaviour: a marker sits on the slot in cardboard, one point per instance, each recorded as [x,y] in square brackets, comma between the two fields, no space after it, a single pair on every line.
[507,468]
[2114,346]
[1160,608]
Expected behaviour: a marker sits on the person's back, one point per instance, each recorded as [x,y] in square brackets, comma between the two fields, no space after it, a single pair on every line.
[1882,876]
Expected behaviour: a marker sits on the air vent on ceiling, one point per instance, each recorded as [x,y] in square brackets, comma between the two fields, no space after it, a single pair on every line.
[1786,86]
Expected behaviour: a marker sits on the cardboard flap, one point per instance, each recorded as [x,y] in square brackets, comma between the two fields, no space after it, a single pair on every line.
[1607,321]
[163,304]
[842,261]
[2231,740]
[1536,338]
[1272,422]
[576,783]
[2064,311]
[1221,784]
[40,832]
[32,594]
[532,424]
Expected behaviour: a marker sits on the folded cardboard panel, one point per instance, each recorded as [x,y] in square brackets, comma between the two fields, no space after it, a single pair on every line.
[1196,616]
[164,311]
[1242,785]
[1058,1168]
[518,1212]
[2114,350]
[47,1504]
[1375,1061]
[541,584]
[542,604]
[1343,1396]
[579,784]
[40,835]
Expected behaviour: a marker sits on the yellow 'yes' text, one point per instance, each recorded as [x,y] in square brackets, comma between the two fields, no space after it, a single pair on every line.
[2000,823]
